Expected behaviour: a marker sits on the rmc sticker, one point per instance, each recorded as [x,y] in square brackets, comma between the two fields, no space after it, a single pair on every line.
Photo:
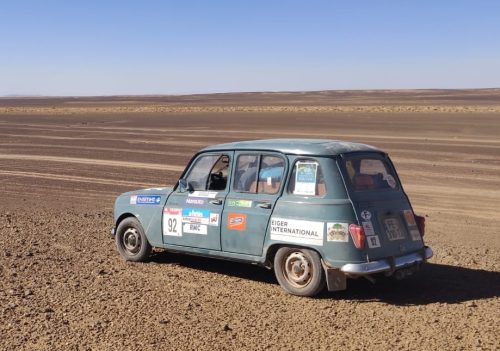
[172,221]
[195,228]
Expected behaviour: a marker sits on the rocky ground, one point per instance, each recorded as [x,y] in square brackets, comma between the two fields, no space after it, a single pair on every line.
[63,285]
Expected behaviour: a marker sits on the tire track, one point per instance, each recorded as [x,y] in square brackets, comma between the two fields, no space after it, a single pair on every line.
[238,133]
[96,148]
[135,141]
[69,178]
[90,161]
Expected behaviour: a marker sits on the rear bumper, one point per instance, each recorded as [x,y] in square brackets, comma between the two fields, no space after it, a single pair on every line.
[387,265]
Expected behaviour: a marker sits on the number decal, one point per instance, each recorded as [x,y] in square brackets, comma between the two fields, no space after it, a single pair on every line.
[172,217]
[172,225]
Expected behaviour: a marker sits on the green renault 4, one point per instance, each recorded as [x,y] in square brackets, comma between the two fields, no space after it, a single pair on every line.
[315,211]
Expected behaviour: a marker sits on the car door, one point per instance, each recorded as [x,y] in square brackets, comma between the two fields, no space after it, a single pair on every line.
[258,180]
[191,217]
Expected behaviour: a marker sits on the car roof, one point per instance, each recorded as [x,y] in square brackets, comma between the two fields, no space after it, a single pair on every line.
[296,146]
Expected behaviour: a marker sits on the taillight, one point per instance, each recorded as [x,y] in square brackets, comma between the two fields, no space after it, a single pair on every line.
[357,235]
[420,224]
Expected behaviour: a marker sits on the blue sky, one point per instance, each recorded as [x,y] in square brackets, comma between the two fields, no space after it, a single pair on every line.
[104,47]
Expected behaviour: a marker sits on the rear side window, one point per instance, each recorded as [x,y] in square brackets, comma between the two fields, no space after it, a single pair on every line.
[262,174]
[307,179]
[370,173]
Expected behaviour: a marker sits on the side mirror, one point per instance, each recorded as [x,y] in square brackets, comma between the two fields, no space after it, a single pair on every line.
[184,186]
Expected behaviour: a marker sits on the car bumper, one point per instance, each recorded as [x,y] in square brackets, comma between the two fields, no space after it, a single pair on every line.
[387,265]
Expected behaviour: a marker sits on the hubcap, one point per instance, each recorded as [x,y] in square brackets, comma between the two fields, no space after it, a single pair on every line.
[298,270]
[131,240]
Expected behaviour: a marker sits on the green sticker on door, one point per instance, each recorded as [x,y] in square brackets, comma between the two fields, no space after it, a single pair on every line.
[239,203]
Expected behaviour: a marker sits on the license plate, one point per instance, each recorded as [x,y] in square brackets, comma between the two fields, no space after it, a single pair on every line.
[393,229]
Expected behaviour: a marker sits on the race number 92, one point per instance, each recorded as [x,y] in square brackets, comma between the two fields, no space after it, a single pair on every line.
[172,217]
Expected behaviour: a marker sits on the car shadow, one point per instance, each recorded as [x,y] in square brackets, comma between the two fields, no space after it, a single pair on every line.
[436,283]
[223,267]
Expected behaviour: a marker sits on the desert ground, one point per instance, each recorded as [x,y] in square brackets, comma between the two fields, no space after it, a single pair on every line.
[63,285]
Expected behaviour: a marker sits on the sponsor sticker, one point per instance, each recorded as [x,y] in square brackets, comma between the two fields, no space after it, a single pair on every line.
[239,203]
[172,221]
[410,219]
[237,221]
[195,201]
[145,199]
[415,234]
[373,241]
[207,194]
[195,215]
[337,232]
[305,178]
[297,231]
[214,219]
[368,227]
[366,215]
[195,228]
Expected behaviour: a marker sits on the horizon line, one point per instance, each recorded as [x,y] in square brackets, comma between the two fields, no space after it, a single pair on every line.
[40,96]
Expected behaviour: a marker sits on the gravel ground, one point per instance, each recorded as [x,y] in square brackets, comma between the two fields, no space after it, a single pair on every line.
[63,285]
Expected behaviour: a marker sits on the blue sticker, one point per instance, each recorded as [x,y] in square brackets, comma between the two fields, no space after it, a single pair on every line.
[145,199]
[195,215]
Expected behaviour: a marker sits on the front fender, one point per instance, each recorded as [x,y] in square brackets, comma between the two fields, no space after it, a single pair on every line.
[145,205]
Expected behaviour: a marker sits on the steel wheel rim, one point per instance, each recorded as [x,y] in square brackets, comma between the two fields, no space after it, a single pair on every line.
[298,269]
[131,241]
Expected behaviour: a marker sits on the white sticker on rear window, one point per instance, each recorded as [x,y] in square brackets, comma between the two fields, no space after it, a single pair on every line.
[337,232]
[390,180]
[371,166]
[305,178]
[373,241]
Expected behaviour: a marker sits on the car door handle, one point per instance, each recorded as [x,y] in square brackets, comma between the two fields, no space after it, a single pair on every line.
[216,202]
[264,205]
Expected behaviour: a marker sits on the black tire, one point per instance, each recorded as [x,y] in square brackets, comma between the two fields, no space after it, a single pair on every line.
[299,271]
[131,240]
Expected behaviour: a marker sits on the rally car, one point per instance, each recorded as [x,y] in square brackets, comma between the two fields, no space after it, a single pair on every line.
[315,211]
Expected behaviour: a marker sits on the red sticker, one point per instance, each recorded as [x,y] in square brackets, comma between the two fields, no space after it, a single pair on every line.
[237,221]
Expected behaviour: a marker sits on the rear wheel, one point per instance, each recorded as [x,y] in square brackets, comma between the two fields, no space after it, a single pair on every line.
[299,271]
[131,240]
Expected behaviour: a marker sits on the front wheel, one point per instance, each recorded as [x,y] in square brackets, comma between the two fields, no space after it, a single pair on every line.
[299,271]
[131,240]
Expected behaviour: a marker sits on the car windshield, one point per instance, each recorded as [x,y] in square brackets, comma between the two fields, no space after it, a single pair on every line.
[370,173]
